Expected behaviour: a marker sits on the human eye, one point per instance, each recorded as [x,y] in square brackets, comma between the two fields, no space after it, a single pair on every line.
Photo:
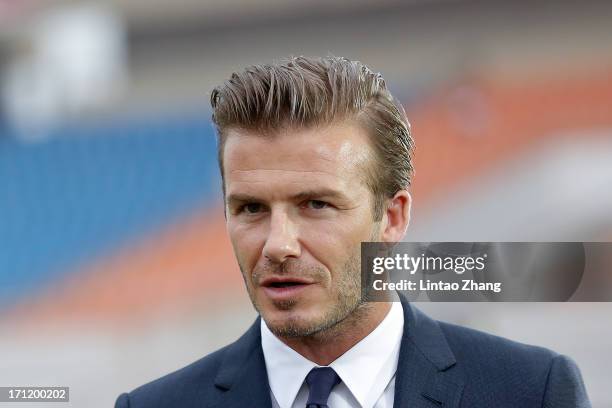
[317,204]
[250,208]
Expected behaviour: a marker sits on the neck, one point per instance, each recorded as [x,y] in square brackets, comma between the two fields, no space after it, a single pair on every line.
[324,347]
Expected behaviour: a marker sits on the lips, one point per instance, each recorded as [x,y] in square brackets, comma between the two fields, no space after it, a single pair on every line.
[280,282]
[284,288]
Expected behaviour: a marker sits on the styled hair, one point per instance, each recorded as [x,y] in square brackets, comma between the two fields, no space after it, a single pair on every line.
[304,92]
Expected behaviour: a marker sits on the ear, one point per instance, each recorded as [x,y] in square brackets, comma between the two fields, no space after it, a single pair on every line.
[397,217]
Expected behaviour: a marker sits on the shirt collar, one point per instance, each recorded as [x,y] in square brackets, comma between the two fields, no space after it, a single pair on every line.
[286,368]
[365,369]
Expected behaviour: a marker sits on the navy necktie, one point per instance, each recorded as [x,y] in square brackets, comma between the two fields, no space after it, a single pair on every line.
[320,381]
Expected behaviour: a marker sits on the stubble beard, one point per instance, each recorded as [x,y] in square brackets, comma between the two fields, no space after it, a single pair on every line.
[346,304]
[348,309]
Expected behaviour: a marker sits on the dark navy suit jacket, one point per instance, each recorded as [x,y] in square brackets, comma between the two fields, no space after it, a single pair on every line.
[440,365]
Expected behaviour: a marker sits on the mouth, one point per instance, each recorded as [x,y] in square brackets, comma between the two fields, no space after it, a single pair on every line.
[283,284]
[284,288]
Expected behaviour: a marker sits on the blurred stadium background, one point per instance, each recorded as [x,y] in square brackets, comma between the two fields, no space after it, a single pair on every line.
[114,263]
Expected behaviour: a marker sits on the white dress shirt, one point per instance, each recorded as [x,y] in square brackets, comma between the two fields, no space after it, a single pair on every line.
[367,370]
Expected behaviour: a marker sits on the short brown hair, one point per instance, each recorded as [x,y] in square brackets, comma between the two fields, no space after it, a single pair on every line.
[302,92]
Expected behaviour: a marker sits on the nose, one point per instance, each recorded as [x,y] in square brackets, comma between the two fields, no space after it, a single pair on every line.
[282,241]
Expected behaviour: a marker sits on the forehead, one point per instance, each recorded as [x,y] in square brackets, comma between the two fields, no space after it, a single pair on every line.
[333,156]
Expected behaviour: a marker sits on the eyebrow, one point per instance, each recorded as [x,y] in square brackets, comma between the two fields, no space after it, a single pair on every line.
[320,193]
[303,195]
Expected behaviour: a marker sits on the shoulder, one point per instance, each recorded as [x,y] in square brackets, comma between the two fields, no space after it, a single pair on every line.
[475,345]
[201,382]
[179,388]
[504,369]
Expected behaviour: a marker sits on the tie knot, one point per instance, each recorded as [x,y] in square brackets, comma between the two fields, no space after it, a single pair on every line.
[321,380]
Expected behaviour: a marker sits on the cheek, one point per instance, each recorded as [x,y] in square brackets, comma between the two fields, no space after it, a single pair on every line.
[345,231]
[247,244]
[332,244]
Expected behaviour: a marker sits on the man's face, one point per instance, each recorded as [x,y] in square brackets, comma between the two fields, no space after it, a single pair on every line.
[297,211]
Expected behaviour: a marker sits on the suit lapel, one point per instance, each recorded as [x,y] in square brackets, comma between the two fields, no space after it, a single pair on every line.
[242,375]
[427,375]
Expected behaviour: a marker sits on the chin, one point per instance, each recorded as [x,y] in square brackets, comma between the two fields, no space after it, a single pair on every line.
[291,323]
[289,330]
